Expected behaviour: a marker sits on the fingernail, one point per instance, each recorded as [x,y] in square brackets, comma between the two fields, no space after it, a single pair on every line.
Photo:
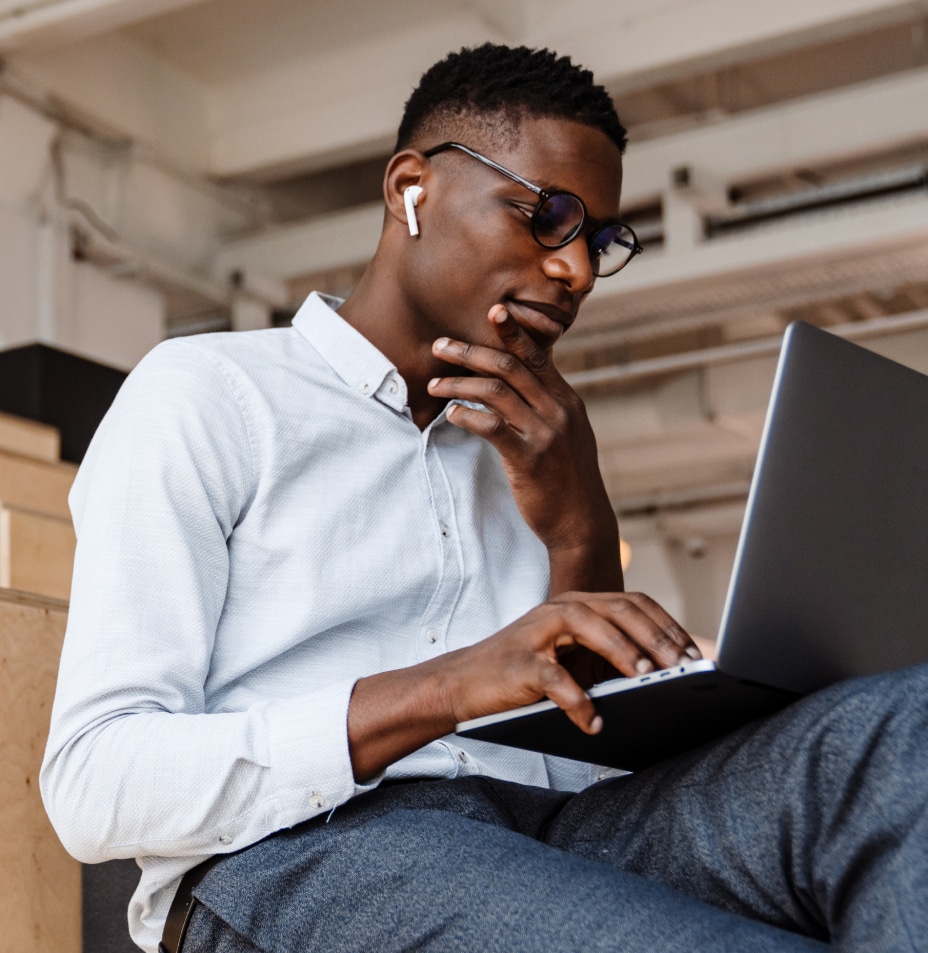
[693,652]
[596,725]
[441,344]
[643,666]
[434,382]
[498,314]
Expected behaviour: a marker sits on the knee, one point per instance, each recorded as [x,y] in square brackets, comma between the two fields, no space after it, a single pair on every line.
[901,694]
[874,727]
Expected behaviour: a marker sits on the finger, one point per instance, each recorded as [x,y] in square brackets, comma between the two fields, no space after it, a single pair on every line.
[516,340]
[482,423]
[674,631]
[581,624]
[587,668]
[558,686]
[494,394]
[648,624]
[490,362]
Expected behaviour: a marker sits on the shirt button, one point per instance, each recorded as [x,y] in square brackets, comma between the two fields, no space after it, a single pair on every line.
[225,839]
[393,387]
[462,757]
[317,802]
[432,635]
[445,531]
[364,388]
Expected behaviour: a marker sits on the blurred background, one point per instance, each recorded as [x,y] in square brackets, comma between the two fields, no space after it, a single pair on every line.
[171,167]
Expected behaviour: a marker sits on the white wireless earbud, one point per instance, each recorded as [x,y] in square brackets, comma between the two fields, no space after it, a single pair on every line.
[411,198]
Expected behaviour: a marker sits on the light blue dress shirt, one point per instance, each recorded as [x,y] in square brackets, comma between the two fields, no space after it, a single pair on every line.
[260,524]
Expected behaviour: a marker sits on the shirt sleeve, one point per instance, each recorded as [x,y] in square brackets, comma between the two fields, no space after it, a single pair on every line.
[135,764]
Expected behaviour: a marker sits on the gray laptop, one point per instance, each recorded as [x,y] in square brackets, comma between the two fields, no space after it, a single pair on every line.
[830,578]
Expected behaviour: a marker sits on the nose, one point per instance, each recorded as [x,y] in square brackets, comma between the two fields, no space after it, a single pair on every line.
[571,265]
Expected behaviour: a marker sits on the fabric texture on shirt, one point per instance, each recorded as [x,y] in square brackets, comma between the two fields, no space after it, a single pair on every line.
[260,524]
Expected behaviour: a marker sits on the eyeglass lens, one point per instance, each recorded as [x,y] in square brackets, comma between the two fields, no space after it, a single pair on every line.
[557,221]
[612,248]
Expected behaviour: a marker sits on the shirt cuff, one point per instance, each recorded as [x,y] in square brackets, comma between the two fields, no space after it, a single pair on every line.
[309,756]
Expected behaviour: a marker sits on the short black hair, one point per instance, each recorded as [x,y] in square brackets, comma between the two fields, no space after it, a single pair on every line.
[496,86]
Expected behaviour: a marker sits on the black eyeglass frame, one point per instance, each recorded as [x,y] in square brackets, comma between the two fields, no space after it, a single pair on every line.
[544,195]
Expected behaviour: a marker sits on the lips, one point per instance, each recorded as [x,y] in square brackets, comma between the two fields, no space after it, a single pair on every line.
[547,321]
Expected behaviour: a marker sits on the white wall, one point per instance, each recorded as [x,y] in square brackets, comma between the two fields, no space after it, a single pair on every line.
[44,294]
[18,281]
[109,320]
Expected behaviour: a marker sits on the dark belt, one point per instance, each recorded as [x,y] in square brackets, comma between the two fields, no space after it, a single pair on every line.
[182,906]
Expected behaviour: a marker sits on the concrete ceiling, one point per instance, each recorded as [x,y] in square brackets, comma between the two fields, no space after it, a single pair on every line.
[266,88]
[220,41]
[291,107]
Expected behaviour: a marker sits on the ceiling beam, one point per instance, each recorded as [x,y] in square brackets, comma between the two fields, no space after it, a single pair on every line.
[332,108]
[864,118]
[630,45]
[325,243]
[39,24]
[869,229]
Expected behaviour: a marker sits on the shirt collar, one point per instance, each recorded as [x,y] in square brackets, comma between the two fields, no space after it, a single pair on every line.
[353,358]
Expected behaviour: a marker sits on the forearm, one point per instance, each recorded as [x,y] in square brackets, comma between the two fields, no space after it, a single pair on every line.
[590,562]
[590,569]
[394,713]
[155,782]
[540,428]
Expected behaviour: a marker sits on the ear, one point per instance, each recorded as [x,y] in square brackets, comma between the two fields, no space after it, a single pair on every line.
[405,169]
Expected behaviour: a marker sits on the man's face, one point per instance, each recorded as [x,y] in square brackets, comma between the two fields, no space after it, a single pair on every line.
[477,247]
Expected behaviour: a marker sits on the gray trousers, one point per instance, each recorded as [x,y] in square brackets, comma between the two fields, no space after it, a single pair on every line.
[804,830]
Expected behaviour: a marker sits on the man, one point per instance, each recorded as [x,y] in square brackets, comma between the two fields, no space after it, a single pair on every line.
[295,547]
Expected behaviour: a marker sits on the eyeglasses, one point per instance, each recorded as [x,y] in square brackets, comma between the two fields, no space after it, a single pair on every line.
[559,218]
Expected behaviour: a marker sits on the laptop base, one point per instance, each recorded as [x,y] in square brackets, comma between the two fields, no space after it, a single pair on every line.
[656,721]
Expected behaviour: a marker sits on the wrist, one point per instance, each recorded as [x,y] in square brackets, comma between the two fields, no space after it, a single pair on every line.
[392,714]
[591,564]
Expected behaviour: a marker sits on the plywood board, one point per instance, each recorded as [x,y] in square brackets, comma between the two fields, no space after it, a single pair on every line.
[35,484]
[31,439]
[40,885]
[36,552]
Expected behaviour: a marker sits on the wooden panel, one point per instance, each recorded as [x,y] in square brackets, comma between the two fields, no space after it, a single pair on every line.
[31,439]
[40,885]
[35,484]
[36,552]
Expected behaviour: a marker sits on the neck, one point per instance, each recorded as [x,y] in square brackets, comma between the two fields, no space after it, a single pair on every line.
[380,310]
